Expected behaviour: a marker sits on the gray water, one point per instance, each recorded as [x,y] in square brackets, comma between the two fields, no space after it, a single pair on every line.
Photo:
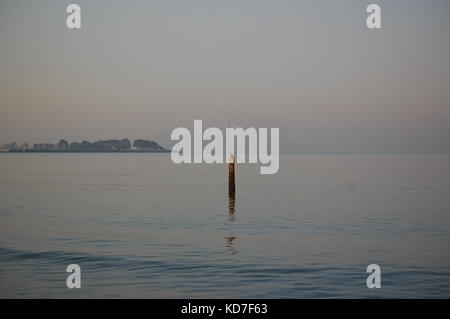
[140,226]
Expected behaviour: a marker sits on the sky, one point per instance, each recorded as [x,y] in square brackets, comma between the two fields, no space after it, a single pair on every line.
[140,69]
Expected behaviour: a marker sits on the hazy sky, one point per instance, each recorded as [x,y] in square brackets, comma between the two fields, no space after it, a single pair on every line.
[139,69]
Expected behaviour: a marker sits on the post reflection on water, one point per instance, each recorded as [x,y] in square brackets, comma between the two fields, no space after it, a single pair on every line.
[231,217]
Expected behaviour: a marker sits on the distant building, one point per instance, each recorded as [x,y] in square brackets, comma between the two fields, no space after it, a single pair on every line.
[46,147]
[74,146]
[23,146]
[4,148]
[62,145]
[13,146]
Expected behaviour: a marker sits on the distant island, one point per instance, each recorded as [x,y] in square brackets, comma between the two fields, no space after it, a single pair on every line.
[104,146]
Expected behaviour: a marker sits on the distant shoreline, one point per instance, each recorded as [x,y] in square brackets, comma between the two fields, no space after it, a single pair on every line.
[101,146]
[69,151]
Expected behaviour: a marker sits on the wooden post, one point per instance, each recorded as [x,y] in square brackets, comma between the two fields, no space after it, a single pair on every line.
[231,185]
[231,200]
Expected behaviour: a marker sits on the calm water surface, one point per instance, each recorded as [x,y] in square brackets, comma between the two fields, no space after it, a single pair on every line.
[140,226]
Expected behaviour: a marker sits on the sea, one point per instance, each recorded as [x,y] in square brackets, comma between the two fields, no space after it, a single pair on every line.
[140,226]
